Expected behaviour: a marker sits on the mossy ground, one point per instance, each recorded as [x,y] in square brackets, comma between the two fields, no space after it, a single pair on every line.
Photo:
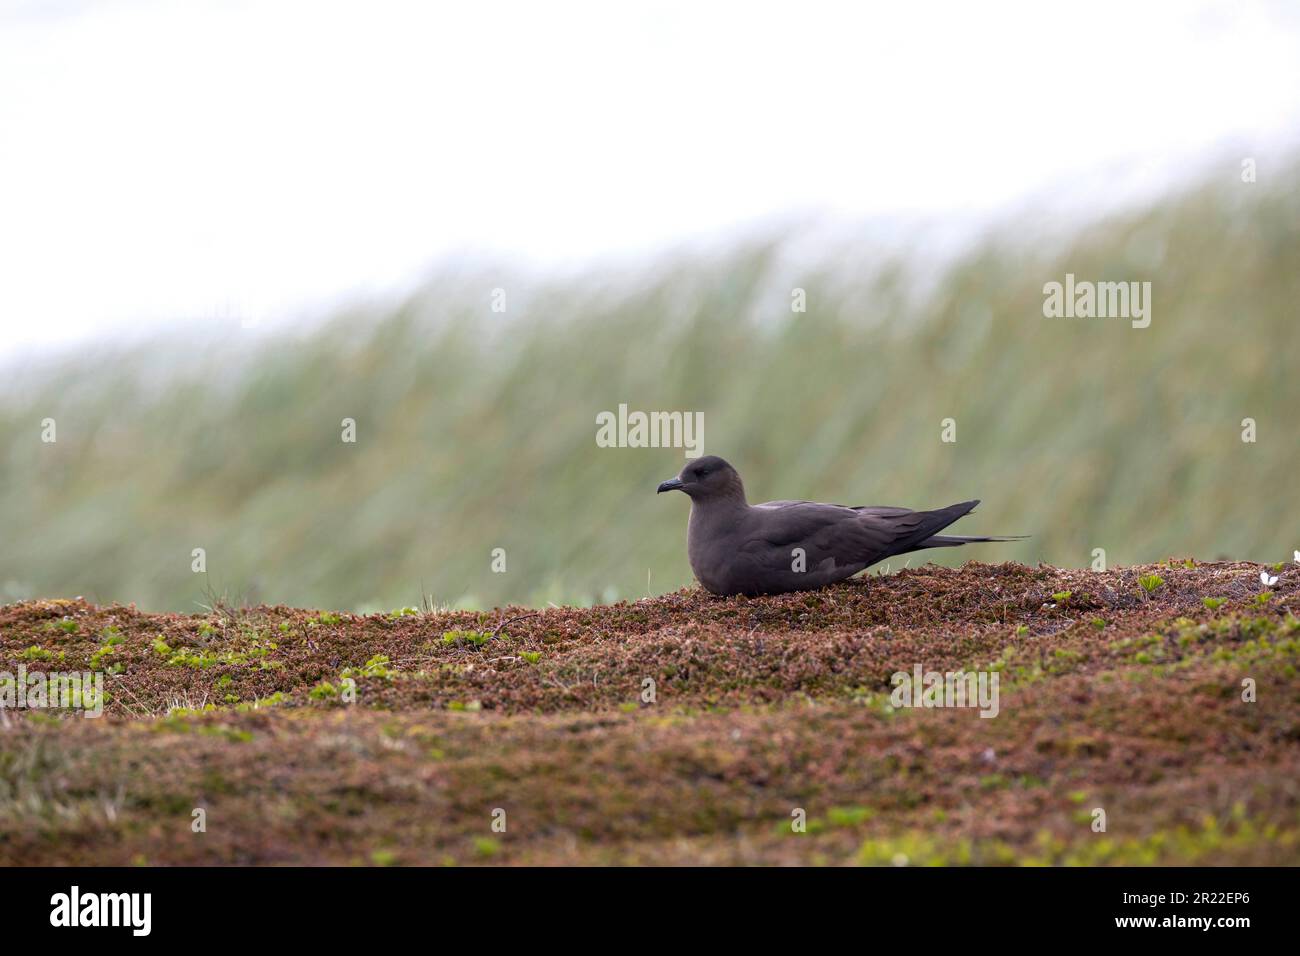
[1111,698]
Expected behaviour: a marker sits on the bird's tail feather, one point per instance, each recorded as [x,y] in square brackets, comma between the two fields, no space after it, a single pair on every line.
[935,521]
[954,540]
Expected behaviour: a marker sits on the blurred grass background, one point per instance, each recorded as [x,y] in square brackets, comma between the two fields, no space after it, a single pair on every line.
[477,430]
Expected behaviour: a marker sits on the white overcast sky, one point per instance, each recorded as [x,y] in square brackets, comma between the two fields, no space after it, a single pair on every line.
[160,161]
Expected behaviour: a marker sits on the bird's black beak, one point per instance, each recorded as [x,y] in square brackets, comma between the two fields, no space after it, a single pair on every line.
[672,484]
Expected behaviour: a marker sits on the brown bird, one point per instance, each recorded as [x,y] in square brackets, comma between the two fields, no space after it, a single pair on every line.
[738,548]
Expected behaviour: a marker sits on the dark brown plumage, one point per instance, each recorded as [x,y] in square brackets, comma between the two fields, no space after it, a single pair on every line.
[738,548]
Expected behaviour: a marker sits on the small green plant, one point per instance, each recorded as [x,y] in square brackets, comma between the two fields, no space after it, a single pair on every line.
[36,653]
[403,612]
[274,700]
[1022,630]
[112,638]
[1261,600]
[161,647]
[848,816]
[1060,597]
[377,666]
[67,625]
[474,638]
[184,657]
[326,617]
[323,691]
[532,657]
[1099,623]
[1149,583]
[1214,603]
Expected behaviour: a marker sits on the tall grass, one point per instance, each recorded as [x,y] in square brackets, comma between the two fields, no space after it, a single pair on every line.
[477,430]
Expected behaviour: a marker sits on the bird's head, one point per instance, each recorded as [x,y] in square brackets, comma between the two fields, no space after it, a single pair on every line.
[707,478]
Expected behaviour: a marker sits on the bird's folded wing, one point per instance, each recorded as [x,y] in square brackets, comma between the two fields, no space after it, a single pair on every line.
[850,535]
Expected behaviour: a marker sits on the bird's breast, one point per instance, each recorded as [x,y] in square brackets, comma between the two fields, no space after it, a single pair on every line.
[711,547]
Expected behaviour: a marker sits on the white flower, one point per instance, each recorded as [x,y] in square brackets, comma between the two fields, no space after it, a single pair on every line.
[1267,580]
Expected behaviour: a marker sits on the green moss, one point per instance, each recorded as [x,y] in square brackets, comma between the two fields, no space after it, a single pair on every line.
[232,735]
[111,637]
[1182,844]
[274,700]
[255,651]
[196,660]
[922,849]
[323,691]
[472,638]
[848,816]
[376,667]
